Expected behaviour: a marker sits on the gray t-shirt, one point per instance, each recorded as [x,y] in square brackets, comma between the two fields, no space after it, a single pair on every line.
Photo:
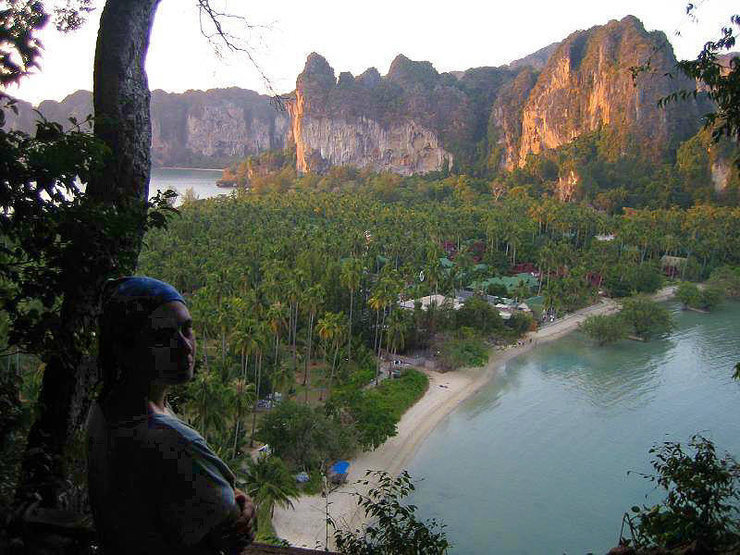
[155,486]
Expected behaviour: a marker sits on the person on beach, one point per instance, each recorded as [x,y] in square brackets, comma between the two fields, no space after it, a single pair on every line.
[155,485]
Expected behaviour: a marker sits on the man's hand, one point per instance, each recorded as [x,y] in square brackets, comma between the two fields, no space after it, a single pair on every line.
[234,534]
[246,524]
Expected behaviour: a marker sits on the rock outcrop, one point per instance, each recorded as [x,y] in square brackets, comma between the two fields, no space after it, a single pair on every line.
[417,120]
[370,122]
[587,83]
[194,129]
[214,128]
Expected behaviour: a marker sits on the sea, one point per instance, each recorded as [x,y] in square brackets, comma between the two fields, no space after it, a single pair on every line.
[201,181]
[550,455]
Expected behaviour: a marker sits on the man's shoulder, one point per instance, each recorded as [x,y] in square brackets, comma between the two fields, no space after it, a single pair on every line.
[168,433]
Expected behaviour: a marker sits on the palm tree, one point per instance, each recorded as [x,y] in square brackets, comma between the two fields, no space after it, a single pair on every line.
[276,317]
[330,328]
[313,298]
[384,295]
[243,397]
[269,482]
[204,315]
[209,401]
[398,326]
[262,340]
[244,341]
[350,278]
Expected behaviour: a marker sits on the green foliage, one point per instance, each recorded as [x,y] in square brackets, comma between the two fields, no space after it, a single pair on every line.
[688,293]
[394,527]
[727,280]
[305,436]
[722,84]
[705,298]
[377,411]
[268,482]
[476,313]
[710,297]
[645,317]
[20,48]
[702,499]
[464,349]
[604,328]
[628,279]
[521,322]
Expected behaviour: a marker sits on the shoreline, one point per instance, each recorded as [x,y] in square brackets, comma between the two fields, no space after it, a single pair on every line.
[190,169]
[305,524]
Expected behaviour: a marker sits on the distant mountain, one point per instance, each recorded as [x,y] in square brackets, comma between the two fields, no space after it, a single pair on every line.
[417,120]
[536,60]
[194,129]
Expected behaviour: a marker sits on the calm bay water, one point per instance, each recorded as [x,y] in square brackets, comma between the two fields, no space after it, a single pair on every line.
[203,182]
[537,461]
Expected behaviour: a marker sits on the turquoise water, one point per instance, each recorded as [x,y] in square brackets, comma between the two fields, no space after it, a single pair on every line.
[537,461]
[203,182]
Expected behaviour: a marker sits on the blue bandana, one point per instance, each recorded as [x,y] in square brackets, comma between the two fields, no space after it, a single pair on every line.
[141,287]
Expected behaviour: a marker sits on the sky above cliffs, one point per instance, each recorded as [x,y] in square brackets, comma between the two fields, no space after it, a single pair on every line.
[353,36]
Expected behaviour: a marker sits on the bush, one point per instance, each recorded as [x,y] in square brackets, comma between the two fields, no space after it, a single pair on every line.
[727,280]
[476,313]
[305,436]
[701,505]
[376,411]
[521,322]
[688,294]
[646,318]
[691,296]
[394,527]
[463,351]
[711,296]
[604,329]
[623,280]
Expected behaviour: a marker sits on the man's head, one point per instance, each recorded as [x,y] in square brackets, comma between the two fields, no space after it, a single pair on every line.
[145,334]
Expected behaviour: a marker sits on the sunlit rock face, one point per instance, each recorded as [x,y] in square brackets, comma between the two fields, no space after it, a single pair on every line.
[357,121]
[587,83]
[416,120]
[413,120]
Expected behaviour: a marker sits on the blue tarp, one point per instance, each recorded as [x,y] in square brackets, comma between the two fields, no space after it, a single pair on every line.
[340,467]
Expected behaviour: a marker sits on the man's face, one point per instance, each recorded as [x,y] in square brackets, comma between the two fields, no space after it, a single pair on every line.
[171,344]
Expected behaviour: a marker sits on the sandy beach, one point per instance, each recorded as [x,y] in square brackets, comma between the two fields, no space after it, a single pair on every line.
[304,526]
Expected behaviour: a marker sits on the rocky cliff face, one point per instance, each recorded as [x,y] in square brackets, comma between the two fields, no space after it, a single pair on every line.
[417,120]
[195,129]
[371,122]
[587,83]
[215,127]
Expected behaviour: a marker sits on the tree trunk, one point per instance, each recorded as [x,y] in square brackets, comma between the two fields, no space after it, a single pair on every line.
[254,412]
[122,122]
[380,346]
[349,339]
[295,333]
[307,374]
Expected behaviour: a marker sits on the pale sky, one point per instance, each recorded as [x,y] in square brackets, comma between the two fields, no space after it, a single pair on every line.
[352,36]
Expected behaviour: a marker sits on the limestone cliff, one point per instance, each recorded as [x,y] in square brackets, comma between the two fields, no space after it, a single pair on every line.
[587,83]
[413,120]
[194,129]
[214,127]
[367,121]
[417,120]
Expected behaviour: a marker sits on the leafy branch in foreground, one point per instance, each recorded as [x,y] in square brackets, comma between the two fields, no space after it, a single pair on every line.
[701,506]
[394,527]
